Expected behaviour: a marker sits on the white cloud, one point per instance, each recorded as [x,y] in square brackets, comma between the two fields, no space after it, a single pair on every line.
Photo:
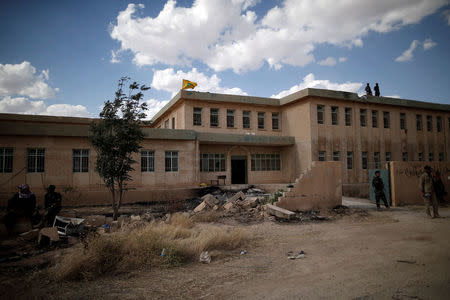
[394,96]
[309,81]
[408,54]
[153,107]
[428,44]
[21,105]
[446,14]
[114,58]
[342,59]
[22,79]
[170,80]
[329,62]
[228,35]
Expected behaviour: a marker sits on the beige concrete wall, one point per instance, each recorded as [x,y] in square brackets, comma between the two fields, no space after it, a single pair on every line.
[329,138]
[297,123]
[238,111]
[405,180]
[87,188]
[285,175]
[317,188]
[178,113]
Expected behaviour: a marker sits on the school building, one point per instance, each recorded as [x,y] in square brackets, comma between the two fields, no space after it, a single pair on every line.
[201,137]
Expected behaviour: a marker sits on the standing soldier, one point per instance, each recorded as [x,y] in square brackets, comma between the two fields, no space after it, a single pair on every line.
[428,194]
[378,187]
[368,90]
[376,89]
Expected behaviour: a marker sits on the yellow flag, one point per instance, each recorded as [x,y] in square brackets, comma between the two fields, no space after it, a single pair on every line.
[188,84]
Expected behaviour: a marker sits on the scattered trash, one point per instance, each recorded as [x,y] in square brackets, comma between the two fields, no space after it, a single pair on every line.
[163,252]
[291,255]
[135,218]
[205,257]
[68,226]
[243,252]
[50,232]
[406,261]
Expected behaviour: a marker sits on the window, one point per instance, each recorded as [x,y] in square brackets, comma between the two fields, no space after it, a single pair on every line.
[336,156]
[374,118]
[420,156]
[441,156]
[348,116]
[214,117]
[35,160]
[429,123]
[386,119]
[80,160]
[246,119]
[419,122]
[376,159]
[334,115]
[212,162]
[230,118]
[388,156]
[171,161]
[173,123]
[402,121]
[6,160]
[438,124]
[265,162]
[362,117]
[147,161]
[404,156]
[275,119]
[364,160]
[430,156]
[320,114]
[261,118]
[166,124]
[321,156]
[349,160]
[197,116]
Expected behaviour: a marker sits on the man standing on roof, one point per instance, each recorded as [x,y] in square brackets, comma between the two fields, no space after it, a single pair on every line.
[368,90]
[376,88]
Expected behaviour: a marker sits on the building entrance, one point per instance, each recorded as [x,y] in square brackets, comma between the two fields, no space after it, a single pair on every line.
[238,169]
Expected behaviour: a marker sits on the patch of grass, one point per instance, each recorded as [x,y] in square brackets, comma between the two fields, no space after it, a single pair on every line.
[206,217]
[142,246]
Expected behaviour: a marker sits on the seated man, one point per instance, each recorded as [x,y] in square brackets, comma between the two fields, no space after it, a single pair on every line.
[22,204]
[52,205]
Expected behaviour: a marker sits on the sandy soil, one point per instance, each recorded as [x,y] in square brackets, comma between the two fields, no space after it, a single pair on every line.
[399,254]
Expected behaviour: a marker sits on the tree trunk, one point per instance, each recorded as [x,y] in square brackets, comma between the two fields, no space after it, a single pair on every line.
[119,202]
[114,206]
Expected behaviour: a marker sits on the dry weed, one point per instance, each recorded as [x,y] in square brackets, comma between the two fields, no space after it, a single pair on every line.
[206,217]
[181,239]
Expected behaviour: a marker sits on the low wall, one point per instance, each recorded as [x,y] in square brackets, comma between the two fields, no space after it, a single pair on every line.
[101,196]
[358,190]
[318,187]
[405,180]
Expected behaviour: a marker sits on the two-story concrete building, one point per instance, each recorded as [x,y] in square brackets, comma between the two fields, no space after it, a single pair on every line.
[199,136]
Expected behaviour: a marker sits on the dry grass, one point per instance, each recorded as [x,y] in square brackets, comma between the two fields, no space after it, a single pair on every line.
[206,217]
[139,247]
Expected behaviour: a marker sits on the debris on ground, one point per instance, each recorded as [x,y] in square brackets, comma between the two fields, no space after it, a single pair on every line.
[291,255]
[280,212]
[243,252]
[205,257]
[406,261]
[49,232]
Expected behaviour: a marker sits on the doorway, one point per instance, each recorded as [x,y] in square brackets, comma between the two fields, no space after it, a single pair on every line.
[238,170]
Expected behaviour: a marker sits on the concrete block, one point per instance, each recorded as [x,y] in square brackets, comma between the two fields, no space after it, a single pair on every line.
[210,200]
[250,202]
[50,232]
[280,212]
[228,205]
[238,195]
[201,207]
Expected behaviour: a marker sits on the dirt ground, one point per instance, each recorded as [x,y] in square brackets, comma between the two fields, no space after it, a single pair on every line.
[397,254]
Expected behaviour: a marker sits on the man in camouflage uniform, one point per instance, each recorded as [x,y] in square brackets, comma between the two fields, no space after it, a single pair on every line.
[428,194]
[378,187]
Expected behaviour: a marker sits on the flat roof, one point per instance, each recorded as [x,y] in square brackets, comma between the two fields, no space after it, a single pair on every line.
[297,96]
[9,127]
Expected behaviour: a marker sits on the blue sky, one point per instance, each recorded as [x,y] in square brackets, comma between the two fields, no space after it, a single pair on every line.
[65,57]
